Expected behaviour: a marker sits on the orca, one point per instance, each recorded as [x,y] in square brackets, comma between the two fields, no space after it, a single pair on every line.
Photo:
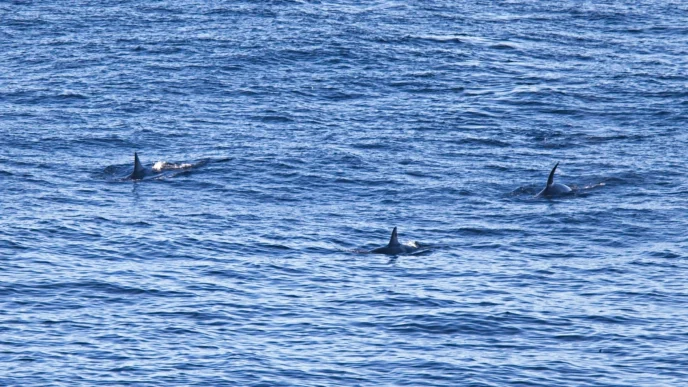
[160,169]
[395,248]
[552,188]
[139,170]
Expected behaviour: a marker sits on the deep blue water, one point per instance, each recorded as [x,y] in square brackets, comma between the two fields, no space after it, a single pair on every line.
[293,135]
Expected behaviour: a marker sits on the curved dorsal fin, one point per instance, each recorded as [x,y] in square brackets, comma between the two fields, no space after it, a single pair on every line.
[393,241]
[550,180]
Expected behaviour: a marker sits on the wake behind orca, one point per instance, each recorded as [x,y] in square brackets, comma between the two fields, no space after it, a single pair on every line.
[396,248]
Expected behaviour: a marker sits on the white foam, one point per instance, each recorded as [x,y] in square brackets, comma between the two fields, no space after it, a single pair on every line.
[164,166]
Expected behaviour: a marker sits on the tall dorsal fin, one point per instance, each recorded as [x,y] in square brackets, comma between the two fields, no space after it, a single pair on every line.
[550,180]
[138,168]
[393,241]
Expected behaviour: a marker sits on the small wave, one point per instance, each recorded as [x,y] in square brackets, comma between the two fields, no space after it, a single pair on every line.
[525,191]
[481,141]
[449,38]
[504,46]
[274,118]
[615,137]
[665,254]
[70,94]
[593,186]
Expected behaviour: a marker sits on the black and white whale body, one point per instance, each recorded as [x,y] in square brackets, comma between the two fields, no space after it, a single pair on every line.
[395,248]
[552,188]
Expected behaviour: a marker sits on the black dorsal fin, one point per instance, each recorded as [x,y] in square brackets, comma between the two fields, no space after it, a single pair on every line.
[550,180]
[393,241]
[138,168]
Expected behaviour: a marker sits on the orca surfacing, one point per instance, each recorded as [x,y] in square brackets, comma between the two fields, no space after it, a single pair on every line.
[394,247]
[552,188]
[139,170]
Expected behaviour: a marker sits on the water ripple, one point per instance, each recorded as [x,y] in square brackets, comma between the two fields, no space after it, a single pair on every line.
[285,139]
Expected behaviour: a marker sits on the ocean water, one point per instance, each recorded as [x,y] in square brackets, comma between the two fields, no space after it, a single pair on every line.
[286,138]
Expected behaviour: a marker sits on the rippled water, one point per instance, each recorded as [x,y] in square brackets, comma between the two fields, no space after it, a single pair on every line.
[289,136]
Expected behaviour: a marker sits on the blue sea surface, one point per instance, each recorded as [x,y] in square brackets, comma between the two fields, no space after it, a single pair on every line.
[283,139]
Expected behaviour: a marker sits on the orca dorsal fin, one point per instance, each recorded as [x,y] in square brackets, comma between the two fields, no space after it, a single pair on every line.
[550,180]
[393,241]
[138,168]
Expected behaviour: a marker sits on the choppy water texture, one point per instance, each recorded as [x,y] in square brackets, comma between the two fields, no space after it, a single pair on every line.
[288,136]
